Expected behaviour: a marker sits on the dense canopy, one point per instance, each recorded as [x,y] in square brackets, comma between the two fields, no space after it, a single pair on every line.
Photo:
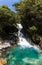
[7,21]
[30,12]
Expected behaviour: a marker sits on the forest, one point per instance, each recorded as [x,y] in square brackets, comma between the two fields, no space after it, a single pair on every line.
[28,13]
[21,46]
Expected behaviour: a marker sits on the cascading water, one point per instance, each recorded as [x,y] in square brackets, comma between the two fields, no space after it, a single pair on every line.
[23,53]
[22,41]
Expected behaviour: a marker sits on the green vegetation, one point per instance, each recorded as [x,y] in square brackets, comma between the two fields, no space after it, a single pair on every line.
[7,22]
[30,12]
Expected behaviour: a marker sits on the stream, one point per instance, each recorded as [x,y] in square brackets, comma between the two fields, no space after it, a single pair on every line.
[24,53]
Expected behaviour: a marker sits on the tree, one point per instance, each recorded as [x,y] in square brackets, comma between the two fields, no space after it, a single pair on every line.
[30,12]
[7,21]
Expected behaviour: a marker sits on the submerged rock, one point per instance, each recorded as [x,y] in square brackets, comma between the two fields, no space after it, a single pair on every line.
[2,61]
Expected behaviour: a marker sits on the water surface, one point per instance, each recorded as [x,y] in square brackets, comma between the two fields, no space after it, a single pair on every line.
[22,56]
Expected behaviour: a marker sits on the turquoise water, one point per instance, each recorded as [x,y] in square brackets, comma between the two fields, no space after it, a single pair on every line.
[22,56]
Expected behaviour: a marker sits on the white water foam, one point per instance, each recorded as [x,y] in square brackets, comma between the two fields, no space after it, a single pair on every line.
[22,41]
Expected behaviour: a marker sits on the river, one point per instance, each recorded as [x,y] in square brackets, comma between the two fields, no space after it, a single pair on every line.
[23,53]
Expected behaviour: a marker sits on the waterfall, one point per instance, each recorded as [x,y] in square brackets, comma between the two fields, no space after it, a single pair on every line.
[22,40]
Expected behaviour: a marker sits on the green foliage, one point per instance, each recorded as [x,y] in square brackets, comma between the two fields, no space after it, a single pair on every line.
[6,15]
[33,31]
[17,18]
[33,28]
[7,21]
[30,12]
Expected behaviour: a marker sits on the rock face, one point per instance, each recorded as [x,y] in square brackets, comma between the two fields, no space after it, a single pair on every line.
[40,44]
[7,43]
[4,45]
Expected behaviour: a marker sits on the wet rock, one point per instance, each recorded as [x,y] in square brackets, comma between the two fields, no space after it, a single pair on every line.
[40,44]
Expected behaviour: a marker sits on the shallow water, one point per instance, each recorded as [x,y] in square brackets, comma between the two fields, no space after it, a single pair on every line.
[22,56]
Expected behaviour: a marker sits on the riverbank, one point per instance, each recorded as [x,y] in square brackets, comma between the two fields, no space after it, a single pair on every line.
[7,43]
[4,45]
[3,48]
[39,46]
